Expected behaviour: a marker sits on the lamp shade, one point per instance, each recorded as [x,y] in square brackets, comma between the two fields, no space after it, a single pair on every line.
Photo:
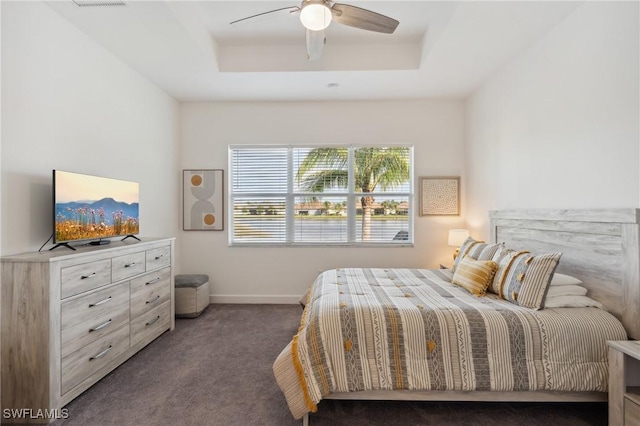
[315,15]
[457,237]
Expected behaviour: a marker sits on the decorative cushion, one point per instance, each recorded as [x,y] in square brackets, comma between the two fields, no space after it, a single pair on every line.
[483,251]
[562,279]
[503,258]
[526,278]
[501,253]
[474,275]
[462,252]
[477,250]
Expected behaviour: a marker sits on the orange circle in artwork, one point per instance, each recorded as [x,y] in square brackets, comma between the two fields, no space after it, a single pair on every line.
[196,180]
[209,219]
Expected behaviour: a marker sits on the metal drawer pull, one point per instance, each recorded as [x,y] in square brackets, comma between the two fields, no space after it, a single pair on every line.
[101,326]
[101,354]
[159,257]
[84,277]
[100,302]
[151,301]
[129,264]
[153,321]
[155,280]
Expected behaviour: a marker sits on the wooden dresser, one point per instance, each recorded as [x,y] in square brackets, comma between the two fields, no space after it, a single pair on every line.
[70,317]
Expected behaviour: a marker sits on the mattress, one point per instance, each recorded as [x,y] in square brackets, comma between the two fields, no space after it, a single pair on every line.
[411,329]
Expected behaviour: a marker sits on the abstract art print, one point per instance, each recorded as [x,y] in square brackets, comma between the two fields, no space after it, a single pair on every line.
[439,196]
[203,200]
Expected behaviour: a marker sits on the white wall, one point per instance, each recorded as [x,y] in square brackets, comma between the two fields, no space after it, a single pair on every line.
[68,104]
[241,274]
[559,126]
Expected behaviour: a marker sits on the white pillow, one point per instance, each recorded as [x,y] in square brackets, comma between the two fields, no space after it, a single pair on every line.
[566,290]
[571,302]
[562,279]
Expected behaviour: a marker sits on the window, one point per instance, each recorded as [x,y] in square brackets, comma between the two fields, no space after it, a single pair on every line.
[327,195]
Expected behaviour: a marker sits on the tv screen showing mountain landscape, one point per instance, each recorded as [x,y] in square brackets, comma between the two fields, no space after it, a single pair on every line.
[91,207]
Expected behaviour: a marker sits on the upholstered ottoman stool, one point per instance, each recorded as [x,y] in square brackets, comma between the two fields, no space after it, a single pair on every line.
[192,294]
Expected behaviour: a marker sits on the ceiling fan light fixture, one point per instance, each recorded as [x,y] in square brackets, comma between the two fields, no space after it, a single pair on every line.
[315,15]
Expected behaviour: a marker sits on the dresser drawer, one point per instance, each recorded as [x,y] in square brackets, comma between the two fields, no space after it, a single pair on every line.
[632,409]
[151,324]
[89,317]
[149,291]
[123,267]
[158,258]
[87,276]
[84,362]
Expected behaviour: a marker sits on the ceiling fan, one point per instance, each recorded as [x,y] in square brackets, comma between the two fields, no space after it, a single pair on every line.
[316,15]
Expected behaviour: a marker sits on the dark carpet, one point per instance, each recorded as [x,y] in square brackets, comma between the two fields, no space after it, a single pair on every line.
[216,370]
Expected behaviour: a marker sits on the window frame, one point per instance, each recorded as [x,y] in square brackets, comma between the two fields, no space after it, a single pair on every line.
[290,197]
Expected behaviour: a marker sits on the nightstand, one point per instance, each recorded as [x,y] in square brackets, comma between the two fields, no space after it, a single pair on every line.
[624,382]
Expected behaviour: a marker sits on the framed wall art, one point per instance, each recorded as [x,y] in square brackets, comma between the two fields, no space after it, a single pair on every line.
[439,196]
[203,200]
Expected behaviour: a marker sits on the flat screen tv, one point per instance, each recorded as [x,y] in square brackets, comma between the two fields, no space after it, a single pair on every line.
[92,208]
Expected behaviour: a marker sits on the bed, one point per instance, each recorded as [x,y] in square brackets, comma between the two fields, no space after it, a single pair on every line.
[410,334]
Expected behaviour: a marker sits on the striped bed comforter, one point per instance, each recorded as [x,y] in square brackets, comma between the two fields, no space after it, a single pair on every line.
[388,329]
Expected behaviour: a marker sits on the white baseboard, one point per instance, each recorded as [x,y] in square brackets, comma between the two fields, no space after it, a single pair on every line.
[254,299]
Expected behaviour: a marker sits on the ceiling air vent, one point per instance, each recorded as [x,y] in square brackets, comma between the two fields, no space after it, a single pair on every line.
[102,3]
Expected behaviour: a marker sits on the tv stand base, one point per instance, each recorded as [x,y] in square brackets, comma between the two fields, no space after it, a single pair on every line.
[62,245]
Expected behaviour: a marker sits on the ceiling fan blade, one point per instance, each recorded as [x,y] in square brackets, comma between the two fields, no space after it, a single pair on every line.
[353,16]
[292,9]
[315,44]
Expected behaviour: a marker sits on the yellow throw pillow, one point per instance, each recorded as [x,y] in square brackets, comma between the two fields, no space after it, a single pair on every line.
[474,275]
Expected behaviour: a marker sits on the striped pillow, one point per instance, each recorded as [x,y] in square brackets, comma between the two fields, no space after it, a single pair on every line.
[474,275]
[526,278]
[478,250]
[483,251]
[501,253]
[464,248]
[503,258]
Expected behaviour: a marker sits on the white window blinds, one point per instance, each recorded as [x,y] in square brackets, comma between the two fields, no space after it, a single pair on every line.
[321,195]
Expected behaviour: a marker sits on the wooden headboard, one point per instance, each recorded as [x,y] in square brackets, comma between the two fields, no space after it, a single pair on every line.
[600,247]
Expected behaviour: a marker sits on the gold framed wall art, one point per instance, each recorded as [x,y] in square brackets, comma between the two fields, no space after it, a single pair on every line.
[439,196]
